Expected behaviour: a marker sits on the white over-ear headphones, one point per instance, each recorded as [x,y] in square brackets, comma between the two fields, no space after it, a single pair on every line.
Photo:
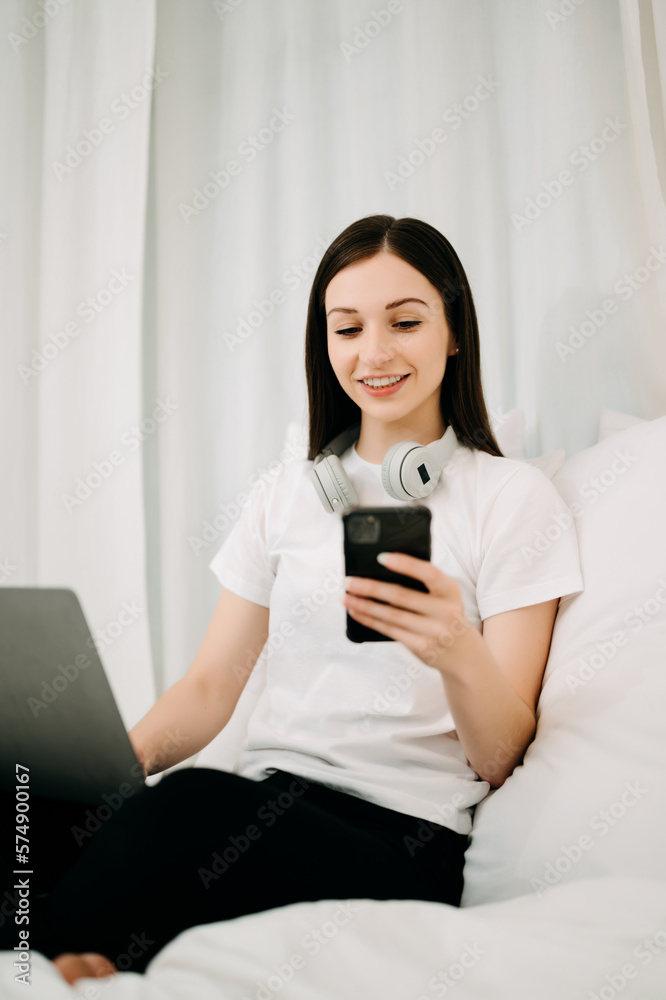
[410,470]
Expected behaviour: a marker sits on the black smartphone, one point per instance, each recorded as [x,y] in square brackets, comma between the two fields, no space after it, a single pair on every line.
[370,530]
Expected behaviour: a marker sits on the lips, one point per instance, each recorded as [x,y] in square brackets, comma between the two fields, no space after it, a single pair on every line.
[386,390]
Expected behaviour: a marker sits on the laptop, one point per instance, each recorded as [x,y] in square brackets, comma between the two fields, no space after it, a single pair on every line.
[58,717]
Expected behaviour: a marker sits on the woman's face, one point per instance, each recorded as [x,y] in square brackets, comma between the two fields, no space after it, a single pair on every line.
[384,318]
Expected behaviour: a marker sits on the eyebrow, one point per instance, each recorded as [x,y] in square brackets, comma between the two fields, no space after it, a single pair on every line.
[391,305]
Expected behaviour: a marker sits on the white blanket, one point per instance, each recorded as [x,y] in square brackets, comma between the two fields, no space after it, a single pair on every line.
[593,939]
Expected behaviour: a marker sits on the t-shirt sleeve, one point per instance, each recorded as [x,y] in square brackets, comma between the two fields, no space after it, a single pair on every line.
[529,546]
[243,564]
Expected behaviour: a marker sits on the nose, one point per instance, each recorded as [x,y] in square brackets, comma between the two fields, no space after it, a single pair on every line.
[377,346]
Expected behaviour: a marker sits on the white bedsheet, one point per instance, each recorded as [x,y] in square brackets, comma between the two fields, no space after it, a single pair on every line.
[570,943]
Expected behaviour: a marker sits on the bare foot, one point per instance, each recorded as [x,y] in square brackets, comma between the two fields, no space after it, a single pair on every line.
[72,967]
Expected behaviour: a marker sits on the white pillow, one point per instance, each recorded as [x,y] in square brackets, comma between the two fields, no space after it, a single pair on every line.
[590,796]
[612,422]
[549,464]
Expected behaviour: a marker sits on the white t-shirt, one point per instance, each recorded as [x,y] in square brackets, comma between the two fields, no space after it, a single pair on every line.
[371,719]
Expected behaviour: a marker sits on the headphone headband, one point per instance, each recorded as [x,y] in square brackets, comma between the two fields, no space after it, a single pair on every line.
[338,446]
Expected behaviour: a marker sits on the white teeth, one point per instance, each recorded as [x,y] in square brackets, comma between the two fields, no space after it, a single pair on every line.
[376,383]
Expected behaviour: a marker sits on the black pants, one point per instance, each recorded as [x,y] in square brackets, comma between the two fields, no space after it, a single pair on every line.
[205,845]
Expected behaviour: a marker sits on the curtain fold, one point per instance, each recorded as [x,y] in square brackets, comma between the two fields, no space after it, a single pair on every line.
[73,508]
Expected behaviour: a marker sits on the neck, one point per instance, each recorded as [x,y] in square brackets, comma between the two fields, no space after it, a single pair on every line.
[375,437]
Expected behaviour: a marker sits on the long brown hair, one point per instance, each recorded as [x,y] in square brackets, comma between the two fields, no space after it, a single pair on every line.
[461,396]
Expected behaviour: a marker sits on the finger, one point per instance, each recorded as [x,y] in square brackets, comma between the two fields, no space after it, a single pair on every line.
[71,967]
[425,637]
[435,580]
[395,594]
[441,627]
[414,642]
[91,965]
[99,965]
[427,627]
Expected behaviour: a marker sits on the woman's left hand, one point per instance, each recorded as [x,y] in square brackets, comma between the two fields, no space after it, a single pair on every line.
[430,625]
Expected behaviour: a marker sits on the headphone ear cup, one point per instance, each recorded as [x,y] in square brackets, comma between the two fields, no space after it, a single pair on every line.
[391,466]
[333,486]
[409,471]
[345,489]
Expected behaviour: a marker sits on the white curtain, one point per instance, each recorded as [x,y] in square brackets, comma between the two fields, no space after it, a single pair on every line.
[73,179]
[185,163]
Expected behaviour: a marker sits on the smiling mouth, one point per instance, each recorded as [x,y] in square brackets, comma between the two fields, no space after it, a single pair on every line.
[385,380]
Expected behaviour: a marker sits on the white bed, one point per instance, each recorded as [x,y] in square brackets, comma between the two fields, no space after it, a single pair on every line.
[569,944]
[565,879]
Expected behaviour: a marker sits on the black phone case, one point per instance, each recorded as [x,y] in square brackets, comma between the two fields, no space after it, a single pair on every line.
[402,529]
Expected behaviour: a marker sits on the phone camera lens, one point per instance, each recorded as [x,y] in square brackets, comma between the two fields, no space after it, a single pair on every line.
[364,529]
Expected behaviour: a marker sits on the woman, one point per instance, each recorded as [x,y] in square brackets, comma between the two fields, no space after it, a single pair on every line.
[363,762]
